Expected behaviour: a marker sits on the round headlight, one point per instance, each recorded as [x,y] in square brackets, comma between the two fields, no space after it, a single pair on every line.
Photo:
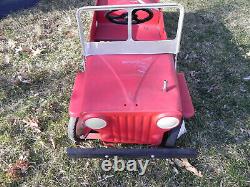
[95,123]
[168,122]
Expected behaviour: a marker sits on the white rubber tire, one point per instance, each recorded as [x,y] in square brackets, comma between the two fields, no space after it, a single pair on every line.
[183,129]
[72,129]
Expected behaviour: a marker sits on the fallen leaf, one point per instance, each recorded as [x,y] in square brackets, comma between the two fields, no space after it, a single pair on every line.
[6,59]
[69,34]
[18,49]
[14,173]
[68,21]
[3,38]
[11,44]
[17,170]
[184,163]
[105,178]
[36,52]
[23,165]
[38,30]
[21,78]
[24,155]
[33,124]
[26,50]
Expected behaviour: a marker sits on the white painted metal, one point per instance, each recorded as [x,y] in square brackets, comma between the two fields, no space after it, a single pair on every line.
[130,25]
[71,128]
[183,129]
[141,1]
[130,46]
[165,85]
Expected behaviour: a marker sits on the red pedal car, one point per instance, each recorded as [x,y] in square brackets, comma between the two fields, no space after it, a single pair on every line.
[129,91]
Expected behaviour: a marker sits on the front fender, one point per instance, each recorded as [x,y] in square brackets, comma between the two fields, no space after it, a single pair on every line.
[77,97]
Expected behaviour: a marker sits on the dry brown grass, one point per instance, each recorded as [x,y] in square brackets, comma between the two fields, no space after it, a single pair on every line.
[40,54]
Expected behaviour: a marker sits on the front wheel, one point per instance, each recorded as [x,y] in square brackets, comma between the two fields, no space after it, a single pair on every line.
[77,131]
[170,137]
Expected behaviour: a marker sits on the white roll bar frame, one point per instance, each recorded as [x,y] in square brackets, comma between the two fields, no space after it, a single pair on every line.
[131,46]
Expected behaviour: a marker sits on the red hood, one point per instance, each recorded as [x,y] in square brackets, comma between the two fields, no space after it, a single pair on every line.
[127,83]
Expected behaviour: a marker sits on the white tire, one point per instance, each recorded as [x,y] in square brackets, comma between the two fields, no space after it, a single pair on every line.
[72,129]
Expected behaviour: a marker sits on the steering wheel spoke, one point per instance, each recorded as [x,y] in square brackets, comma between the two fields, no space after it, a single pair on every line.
[123,18]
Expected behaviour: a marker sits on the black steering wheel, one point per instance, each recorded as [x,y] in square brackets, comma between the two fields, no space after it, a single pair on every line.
[123,18]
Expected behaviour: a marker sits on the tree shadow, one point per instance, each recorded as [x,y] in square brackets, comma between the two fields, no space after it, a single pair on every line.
[46,5]
[212,63]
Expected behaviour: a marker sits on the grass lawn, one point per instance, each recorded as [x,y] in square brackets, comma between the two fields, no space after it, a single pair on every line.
[39,57]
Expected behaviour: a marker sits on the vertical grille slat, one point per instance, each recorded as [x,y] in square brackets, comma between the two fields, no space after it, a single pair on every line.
[149,127]
[118,134]
[135,127]
[112,132]
[144,128]
[132,128]
[127,127]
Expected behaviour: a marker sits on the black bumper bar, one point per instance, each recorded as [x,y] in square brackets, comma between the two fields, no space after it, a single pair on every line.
[132,153]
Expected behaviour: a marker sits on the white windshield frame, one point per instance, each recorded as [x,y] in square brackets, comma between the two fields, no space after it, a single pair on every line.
[131,46]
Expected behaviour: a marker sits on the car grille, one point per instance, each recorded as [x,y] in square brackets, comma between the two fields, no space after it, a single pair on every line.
[132,128]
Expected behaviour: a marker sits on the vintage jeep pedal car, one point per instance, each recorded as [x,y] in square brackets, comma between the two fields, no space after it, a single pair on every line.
[129,91]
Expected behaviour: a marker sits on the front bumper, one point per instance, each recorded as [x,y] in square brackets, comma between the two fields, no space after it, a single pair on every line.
[132,153]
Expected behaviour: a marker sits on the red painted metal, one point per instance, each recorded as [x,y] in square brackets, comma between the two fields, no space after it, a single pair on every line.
[93,136]
[122,2]
[107,31]
[187,105]
[148,31]
[127,90]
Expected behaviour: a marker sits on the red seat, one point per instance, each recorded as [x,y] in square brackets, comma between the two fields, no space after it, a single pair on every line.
[122,2]
[104,30]
[145,32]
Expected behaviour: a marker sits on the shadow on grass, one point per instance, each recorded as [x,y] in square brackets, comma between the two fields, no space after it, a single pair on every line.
[46,97]
[214,67]
[46,5]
